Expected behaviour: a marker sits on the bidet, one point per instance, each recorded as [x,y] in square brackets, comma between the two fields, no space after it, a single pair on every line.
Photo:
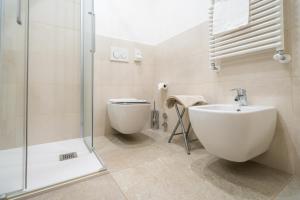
[235,134]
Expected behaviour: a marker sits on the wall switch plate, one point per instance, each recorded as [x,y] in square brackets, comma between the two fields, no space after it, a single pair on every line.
[119,54]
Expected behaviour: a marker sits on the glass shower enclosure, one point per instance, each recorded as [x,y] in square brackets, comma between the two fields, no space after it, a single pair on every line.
[88,48]
[13,92]
[14,77]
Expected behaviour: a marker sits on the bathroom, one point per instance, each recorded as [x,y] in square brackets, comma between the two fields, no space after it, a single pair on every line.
[69,69]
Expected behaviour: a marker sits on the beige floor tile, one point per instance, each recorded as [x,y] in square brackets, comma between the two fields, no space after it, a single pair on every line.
[98,188]
[124,151]
[291,191]
[122,155]
[199,177]
[146,167]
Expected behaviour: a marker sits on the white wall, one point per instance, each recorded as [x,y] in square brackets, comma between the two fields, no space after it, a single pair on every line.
[148,21]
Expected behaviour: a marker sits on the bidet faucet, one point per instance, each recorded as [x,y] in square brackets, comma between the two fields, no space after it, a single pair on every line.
[241,96]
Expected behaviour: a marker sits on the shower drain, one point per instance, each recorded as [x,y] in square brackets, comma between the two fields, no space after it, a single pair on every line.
[67,156]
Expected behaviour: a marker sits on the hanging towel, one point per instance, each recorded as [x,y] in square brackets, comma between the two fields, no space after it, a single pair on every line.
[185,100]
[230,15]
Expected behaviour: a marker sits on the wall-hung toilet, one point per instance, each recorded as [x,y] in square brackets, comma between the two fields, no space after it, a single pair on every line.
[128,116]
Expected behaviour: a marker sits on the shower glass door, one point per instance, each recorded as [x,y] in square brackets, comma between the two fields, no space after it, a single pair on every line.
[13,88]
[87,67]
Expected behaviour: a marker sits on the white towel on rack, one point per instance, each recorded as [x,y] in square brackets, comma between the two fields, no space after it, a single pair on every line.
[230,15]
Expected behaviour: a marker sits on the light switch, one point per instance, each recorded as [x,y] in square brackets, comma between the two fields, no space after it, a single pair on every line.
[119,54]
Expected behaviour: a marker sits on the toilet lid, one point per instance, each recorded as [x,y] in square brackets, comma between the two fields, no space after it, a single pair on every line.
[127,101]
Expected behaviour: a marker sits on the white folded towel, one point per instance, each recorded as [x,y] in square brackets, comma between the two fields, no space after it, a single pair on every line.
[185,100]
[230,15]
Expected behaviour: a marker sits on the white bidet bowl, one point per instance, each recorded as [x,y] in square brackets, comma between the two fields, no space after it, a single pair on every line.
[234,133]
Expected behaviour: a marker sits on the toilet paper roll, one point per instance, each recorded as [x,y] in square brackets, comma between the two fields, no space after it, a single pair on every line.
[162,86]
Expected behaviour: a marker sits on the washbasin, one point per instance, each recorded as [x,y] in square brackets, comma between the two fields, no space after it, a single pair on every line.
[235,133]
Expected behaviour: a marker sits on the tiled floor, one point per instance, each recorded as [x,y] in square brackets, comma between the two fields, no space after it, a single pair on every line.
[98,188]
[146,167]
[291,191]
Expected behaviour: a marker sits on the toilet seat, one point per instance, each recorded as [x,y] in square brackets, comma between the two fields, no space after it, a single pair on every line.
[128,101]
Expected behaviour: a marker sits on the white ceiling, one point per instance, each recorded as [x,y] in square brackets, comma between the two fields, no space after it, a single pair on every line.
[148,21]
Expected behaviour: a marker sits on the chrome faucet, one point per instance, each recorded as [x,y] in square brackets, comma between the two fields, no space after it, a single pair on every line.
[241,96]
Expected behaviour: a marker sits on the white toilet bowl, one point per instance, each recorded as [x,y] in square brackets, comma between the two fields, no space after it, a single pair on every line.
[128,116]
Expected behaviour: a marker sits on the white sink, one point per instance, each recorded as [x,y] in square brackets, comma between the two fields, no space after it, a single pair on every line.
[234,134]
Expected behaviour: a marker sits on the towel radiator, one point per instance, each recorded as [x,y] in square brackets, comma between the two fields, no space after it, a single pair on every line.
[264,31]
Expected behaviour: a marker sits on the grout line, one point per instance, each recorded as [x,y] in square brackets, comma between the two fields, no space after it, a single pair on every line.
[274,197]
[54,187]
[49,25]
[123,192]
[139,164]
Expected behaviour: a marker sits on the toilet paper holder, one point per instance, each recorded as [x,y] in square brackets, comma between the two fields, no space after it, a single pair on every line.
[162,86]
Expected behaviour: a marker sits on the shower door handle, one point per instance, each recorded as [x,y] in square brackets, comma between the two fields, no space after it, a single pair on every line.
[19,12]
[93,45]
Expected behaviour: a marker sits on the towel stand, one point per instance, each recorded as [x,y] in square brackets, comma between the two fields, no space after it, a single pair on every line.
[184,132]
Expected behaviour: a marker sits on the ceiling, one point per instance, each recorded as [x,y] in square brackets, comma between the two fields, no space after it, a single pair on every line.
[148,21]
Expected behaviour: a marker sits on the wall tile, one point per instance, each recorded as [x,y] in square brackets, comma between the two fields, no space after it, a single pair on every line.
[185,67]
[120,80]
[54,71]
[58,13]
